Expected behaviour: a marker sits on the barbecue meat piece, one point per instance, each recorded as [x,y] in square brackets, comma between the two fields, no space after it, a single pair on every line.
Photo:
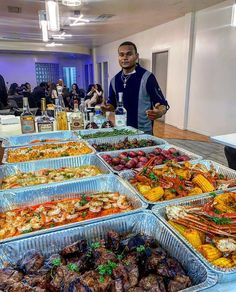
[113,240]
[76,286]
[136,289]
[150,283]
[50,262]
[180,282]
[131,266]
[157,256]
[101,256]
[91,279]
[117,286]
[19,287]
[39,280]
[75,249]
[31,262]
[62,279]
[175,267]
[8,277]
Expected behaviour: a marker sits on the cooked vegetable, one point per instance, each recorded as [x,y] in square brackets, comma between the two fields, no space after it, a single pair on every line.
[193,236]
[223,262]
[154,194]
[210,252]
[203,183]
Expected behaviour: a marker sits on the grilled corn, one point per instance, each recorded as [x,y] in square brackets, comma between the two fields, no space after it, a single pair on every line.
[178,227]
[210,252]
[193,237]
[154,194]
[223,263]
[203,183]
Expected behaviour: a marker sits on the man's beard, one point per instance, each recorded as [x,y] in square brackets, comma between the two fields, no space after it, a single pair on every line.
[128,67]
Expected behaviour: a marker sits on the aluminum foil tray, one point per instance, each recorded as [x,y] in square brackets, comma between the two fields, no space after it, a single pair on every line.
[192,156]
[5,154]
[224,275]
[82,133]
[25,139]
[75,161]
[39,194]
[128,174]
[144,222]
[118,139]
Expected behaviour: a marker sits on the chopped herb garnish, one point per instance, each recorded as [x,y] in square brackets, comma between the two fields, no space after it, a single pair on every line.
[106,269]
[52,225]
[73,267]
[181,188]
[56,262]
[152,176]
[172,190]
[220,221]
[95,245]
[119,257]
[84,214]
[83,201]
[212,194]
[101,279]
[221,176]
[217,211]
[181,177]
[126,263]
[144,170]
[140,248]
[27,230]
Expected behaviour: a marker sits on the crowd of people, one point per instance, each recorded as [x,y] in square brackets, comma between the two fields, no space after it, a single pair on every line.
[13,97]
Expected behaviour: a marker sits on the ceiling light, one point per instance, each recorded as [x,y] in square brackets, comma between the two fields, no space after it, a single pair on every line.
[78,20]
[53,45]
[71,2]
[61,36]
[43,24]
[233,19]
[52,9]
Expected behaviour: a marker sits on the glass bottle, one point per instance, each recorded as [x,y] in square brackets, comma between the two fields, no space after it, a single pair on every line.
[27,118]
[60,114]
[44,122]
[120,112]
[91,124]
[107,123]
[99,119]
[76,118]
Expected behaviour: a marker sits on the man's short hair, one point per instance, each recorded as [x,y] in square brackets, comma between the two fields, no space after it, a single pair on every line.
[128,43]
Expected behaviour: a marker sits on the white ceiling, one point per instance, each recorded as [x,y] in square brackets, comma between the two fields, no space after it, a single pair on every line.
[129,17]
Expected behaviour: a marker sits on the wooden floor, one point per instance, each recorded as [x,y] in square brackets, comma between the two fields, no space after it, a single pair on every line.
[166,131]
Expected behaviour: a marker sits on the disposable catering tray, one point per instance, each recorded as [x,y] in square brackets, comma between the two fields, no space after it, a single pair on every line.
[115,140]
[26,139]
[221,169]
[182,151]
[139,222]
[83,133]
[32,166]
[28,197]
[224,275]
[5,154]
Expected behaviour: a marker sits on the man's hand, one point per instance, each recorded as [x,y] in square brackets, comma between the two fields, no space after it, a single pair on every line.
[106,107]
[157,112]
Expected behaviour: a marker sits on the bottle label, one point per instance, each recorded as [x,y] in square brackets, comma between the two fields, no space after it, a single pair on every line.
[76,124]
[27,126]
[120,120]
[45,127]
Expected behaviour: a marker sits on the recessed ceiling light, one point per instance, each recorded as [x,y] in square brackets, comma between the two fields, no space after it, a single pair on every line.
[61,36]
[71,2]
[53,45]
[233,20]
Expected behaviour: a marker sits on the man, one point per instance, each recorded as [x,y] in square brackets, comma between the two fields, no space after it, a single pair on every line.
[142,96]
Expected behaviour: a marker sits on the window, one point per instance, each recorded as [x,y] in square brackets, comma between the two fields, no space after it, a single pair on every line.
[46,72]
[69,76]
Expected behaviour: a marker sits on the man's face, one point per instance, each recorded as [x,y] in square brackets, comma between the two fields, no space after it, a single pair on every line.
[127,57]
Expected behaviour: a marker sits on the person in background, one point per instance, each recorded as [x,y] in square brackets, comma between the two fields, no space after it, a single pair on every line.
[61,88]
[74,95]
[27,87]
[142,96]
[230,154]
[52,92]
[13,90]
[3,93]
[95,96]
[38,93]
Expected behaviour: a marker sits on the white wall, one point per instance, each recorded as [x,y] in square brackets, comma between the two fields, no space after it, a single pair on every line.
[206,105]
[20,68]
[173,36]
[212,107]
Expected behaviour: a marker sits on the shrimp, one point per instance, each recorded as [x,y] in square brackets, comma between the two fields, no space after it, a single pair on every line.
[95,206]
[122,202]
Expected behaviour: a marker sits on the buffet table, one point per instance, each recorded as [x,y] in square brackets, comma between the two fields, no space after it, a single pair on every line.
[227,140]
[115,183]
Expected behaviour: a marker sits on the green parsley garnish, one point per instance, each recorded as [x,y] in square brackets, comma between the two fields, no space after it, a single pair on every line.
[52,225]
[119,257]
[221,176]
[56,262]
[152,176]
[172,190]
[181,177]
[181,188]
[84,214]
[27,230]
[126,263]
[213,194]
[95,245]
[101,279]
[73,267]
[217,211]
[83,201]
[144,170]
[220,221]
[140,248]
[106,269]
